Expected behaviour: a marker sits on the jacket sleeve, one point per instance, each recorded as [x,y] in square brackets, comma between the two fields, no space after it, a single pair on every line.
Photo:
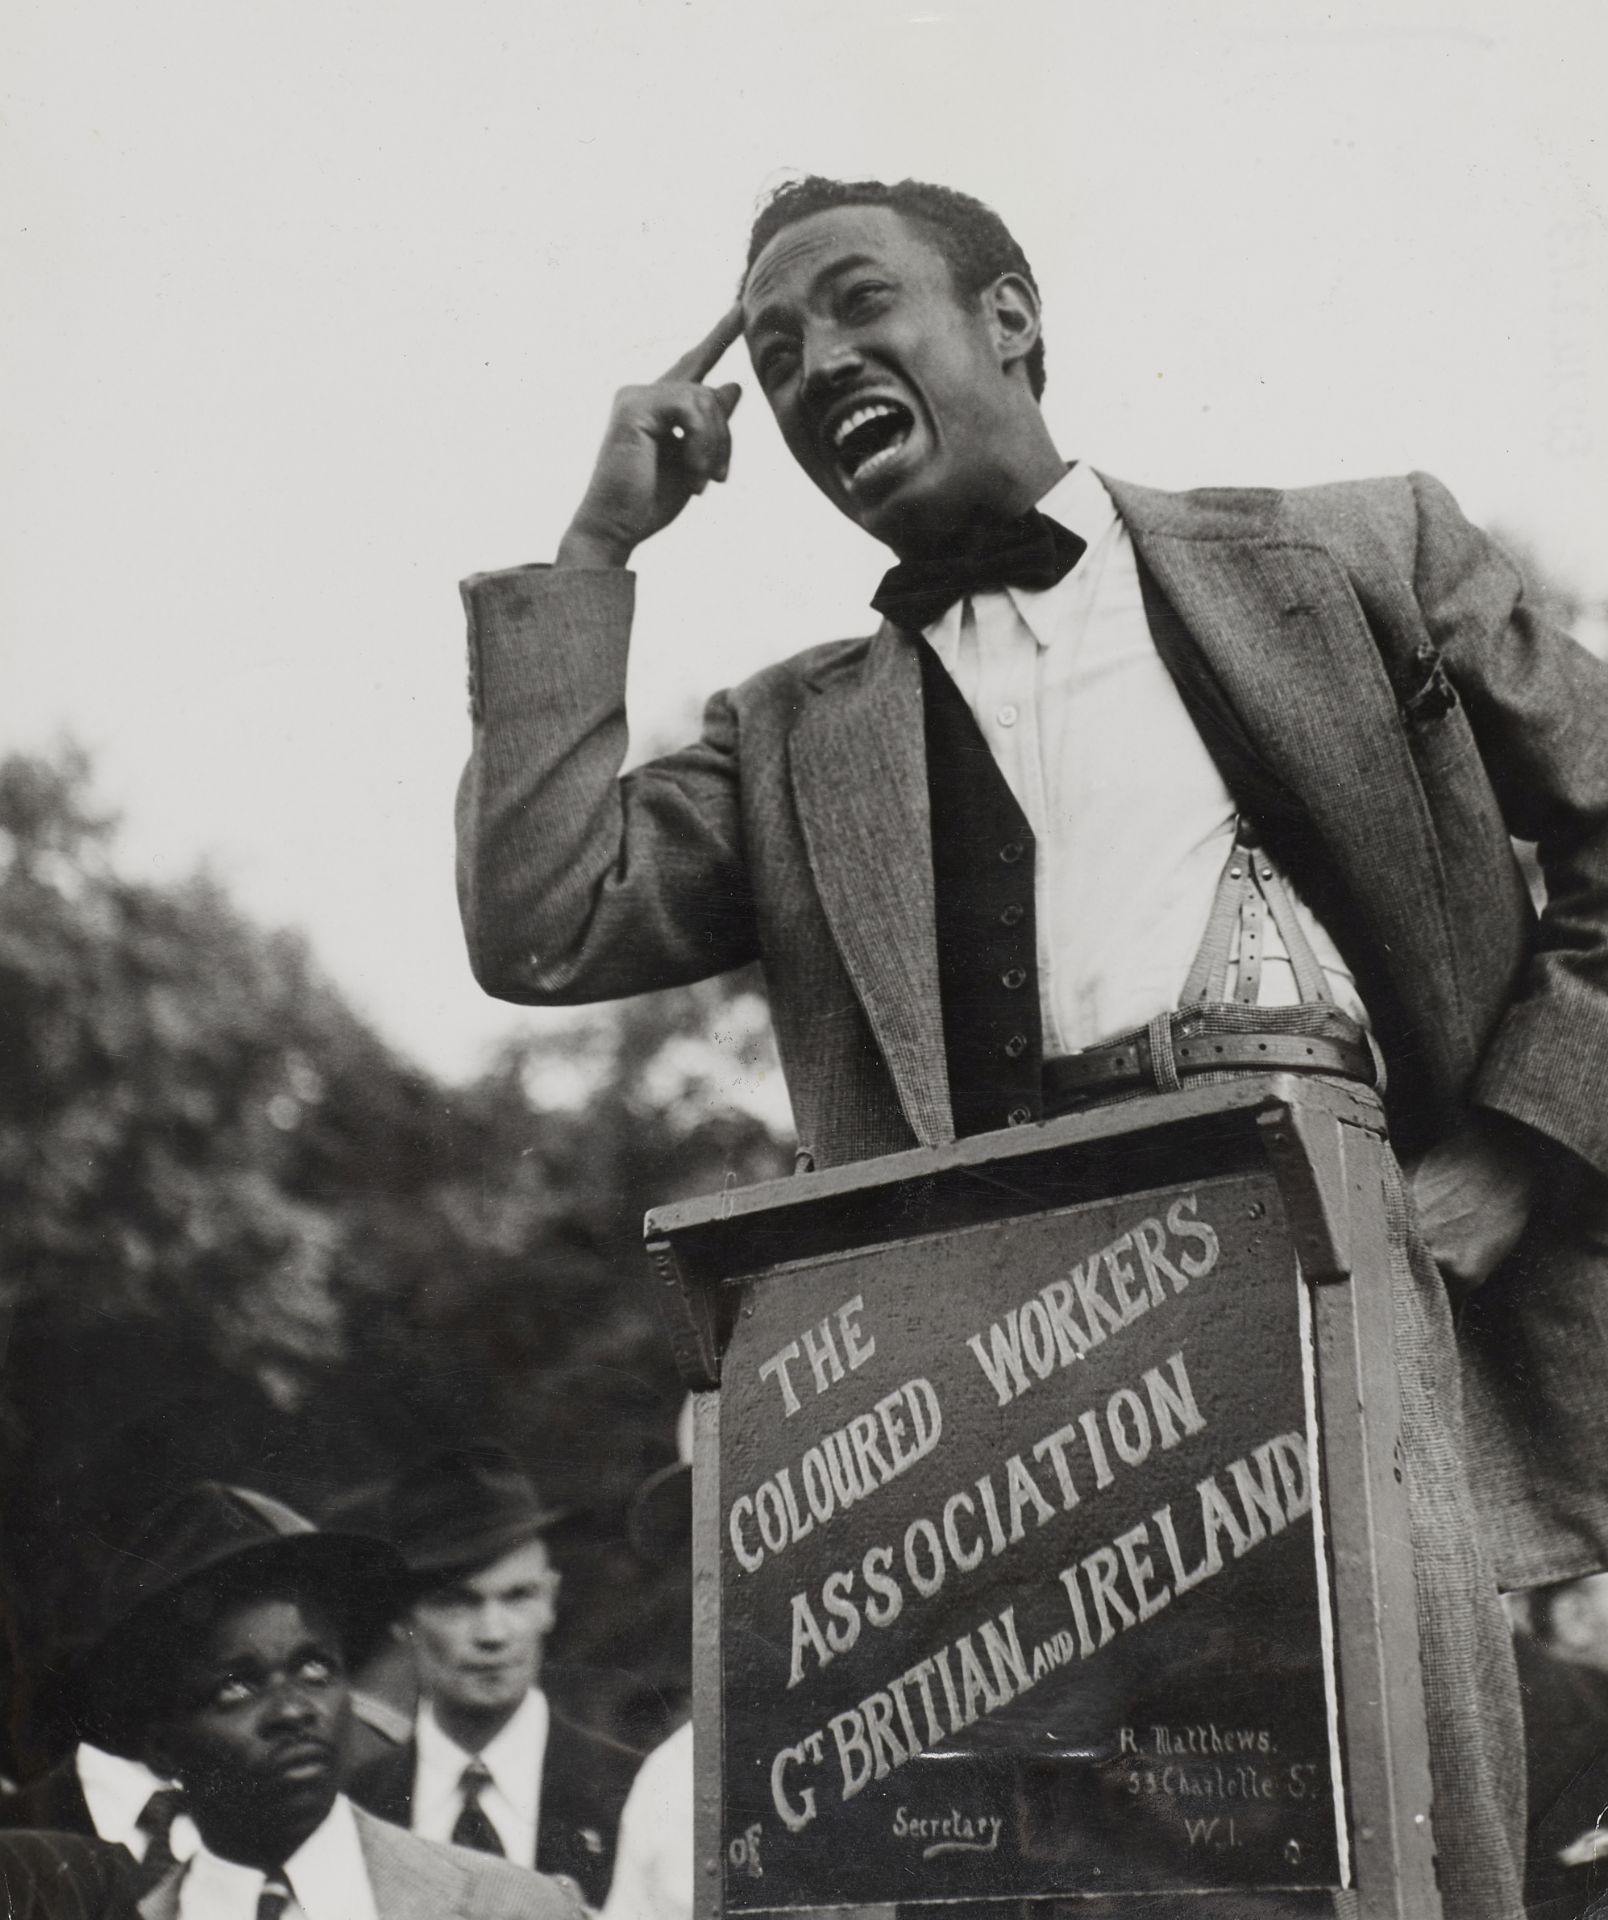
[1538,706]
[575,883]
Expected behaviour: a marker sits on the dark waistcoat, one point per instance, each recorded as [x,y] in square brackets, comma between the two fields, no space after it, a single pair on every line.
[983,858]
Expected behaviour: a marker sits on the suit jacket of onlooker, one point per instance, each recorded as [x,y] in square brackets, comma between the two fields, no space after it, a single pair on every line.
[1566,1743]
[55,1800]
[1387,667]
[585,1778]
[416,1879]
[63,1876]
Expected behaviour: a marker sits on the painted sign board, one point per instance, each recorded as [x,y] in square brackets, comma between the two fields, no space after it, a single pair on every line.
[1022,1566]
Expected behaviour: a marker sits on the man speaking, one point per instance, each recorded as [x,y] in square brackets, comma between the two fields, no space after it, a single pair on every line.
[1127,788]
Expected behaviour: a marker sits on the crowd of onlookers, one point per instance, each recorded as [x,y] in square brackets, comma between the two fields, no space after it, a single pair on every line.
[277,1721]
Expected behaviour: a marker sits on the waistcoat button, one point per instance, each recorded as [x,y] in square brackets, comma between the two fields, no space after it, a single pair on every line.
[1016,1046]
[1019,1116]
[1012,916]
[1013,977]
[1011,852]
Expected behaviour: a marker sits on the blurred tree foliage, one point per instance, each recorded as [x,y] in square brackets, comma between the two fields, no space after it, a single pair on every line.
[241,1237]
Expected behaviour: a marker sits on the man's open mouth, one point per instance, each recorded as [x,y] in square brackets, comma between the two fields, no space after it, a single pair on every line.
[868,437]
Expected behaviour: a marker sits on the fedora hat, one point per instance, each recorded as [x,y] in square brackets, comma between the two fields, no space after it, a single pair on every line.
[462,1507]
[210,1543]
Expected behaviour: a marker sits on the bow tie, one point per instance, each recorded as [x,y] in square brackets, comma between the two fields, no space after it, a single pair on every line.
[1033,551]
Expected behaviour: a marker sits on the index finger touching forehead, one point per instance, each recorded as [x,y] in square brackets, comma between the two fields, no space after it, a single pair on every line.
[698,362]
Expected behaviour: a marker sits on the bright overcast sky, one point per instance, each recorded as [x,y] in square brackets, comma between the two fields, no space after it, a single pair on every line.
[313,306]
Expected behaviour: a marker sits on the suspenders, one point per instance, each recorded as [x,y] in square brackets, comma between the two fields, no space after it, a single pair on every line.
[1213,1034]
[1251,890]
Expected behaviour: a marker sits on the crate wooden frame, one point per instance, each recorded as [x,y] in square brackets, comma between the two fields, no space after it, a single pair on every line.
[1324,1143]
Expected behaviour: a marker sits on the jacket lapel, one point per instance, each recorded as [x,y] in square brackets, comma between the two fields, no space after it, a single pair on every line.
[411,1881]
[1285,634]
[859,767]
[161,1902]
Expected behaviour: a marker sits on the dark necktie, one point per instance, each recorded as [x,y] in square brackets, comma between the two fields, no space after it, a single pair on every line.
[474,1828]
[1033,551]
[156,1823]
[275,1896]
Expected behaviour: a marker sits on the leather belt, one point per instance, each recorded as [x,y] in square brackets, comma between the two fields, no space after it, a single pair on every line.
[1140,1061]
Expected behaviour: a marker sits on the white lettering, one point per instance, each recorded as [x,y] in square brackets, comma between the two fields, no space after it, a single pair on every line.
[776,1368]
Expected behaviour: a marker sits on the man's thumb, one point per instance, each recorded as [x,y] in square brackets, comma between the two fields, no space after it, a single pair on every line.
[728,396]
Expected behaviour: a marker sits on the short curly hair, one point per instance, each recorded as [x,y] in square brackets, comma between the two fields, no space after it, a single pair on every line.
[977,244]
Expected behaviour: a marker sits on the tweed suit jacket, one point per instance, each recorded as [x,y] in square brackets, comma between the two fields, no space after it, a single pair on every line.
[416,1879]
[1383,660]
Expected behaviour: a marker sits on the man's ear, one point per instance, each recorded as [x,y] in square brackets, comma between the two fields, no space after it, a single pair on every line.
[1013,316]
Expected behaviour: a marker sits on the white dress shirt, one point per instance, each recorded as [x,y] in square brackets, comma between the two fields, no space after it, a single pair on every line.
[116,1791]
[513,1759]
[1131,818]
[327,1875]
[653,1867]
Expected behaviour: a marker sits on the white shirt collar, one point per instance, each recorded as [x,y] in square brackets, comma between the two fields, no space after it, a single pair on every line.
[1079,501]
[116,1791]
[327,1873]
[513,1757]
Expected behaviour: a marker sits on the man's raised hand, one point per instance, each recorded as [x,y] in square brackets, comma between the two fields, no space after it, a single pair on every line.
[664,443]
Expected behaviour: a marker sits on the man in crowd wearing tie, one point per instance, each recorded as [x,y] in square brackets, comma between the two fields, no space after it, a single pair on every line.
[230,1621]
[997,862]
[122,1801]
[492,1764]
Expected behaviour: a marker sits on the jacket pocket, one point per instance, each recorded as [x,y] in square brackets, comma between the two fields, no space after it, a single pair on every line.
[1436,724]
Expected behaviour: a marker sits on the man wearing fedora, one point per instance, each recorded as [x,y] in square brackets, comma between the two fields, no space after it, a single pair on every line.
[231,1621]
[492,1763]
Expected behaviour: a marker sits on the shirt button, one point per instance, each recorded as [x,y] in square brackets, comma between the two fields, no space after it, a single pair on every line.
[1006,716]
[1011,917]
[1016,1046]
[1014,977]
[1011,852]
[1019,1116]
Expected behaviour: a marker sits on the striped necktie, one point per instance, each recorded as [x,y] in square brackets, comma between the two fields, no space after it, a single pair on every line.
[156,1823]
[474,1828]
[275,1897]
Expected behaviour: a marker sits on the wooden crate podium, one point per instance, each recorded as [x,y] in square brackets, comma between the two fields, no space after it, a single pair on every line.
[1050,1541]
